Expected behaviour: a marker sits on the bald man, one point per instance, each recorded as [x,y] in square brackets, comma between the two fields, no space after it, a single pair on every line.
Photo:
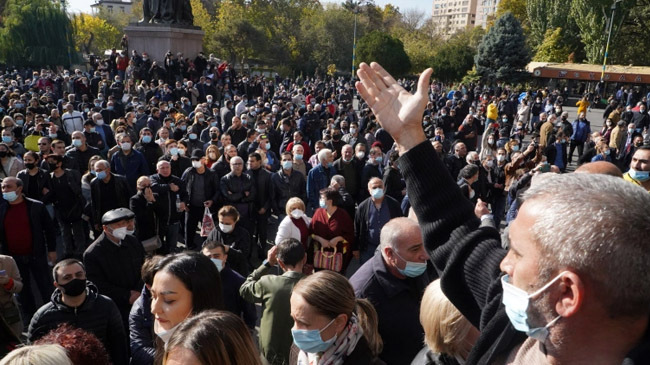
[600,167]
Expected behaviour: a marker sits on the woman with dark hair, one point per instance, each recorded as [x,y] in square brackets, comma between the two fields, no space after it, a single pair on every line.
[212,337]
[9,163]
[184,284]
[36,181]
[333,229]
[467,176]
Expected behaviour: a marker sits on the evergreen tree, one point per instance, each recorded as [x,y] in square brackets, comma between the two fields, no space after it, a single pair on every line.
[502,54]
[388,51]
[36,33]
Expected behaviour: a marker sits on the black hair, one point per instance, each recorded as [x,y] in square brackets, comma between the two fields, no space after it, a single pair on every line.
[333,195]
[64,263]
[468,171]
[199,275]
[290,251]
[256,156]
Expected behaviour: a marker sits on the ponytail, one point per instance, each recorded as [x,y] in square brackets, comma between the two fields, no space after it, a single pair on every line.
[368,320]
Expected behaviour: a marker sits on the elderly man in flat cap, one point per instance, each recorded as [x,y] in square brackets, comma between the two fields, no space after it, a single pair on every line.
[114,260]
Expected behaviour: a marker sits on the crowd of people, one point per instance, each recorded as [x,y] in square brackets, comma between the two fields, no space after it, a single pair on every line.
[155,205]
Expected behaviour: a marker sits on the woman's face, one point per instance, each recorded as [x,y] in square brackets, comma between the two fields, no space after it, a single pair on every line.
[171,301]
[307,318]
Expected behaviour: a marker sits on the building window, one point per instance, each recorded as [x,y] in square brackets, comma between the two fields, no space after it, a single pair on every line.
[109,8]
[122,9]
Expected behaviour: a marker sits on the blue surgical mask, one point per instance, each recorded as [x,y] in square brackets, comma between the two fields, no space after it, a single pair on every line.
[377,193]
[412,269]
[287,165]
[517,302]
[515,148]
[173,151]
[192,136]
[10,196]
[298,156]
[6,139]
[639,175]
[379,159]
[310,340]
[101,175]
[146,139]
[268,146]
[218,263]
[183,127]
[77,142]
[322,203]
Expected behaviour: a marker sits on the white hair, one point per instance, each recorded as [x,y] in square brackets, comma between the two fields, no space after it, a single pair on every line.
[392,231]
[323,154]
[597,226]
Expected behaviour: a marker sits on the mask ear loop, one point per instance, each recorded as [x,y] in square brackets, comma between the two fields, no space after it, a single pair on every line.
[547,285]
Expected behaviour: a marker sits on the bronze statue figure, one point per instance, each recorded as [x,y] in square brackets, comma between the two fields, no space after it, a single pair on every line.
[167,12]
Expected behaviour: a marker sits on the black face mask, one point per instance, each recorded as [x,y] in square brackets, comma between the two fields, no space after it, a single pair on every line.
[214,136]
[30,166]
[52,166]
[3,153]
[74,288]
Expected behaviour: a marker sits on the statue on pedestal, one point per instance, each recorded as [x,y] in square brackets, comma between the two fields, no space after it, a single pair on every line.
[167,12]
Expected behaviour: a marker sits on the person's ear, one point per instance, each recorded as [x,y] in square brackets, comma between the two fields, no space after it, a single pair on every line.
[571,295]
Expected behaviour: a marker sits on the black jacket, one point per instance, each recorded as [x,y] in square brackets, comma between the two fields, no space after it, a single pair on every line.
[352,174]
[141,335]
[179,165]
[146,215]
[393,183]
[42,179]
[115,269]
[68,211]
[239,241]
[361,355]
[264,189]
[233,189]
[43,229]
[97,315]
[361,218]
[168,212]
[121,191]
[222,167]
[211,183]
[82,157]
[369,171]
[151,152]
[286,187]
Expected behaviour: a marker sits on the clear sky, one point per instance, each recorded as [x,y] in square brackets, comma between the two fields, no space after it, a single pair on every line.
[422,5]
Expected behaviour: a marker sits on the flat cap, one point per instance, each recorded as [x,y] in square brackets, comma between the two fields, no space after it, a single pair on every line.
[116,215]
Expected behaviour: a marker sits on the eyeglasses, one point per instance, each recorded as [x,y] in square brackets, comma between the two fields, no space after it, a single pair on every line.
[237,164]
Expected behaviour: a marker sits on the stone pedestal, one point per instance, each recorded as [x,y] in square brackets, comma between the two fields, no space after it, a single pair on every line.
[156,40]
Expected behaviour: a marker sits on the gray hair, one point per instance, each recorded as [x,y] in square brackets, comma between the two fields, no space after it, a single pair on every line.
[339,179]
[471,156]
[323,153]
[104,163]
[236,159]
[602,235]
[391,232]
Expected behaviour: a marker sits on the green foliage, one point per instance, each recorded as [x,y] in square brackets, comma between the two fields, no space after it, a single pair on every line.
[454,58]
[517,8]
[388,51]
[502,55]
[627,45]
[552,48]
[203,19]
[471,77]
[36,33]
[119,20]
[236,35]
[93,34]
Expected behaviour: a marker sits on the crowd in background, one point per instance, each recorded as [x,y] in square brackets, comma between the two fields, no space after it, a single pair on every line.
[108,174]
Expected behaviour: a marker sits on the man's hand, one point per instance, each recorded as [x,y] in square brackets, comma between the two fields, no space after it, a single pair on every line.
[272,256]
[207,203]
[247,193]
[173,187]
[45,191]
[261,211]
[481,209]
[134,296]
[148,194]
[398,111]
[355,254]
[183,207]
[51,256]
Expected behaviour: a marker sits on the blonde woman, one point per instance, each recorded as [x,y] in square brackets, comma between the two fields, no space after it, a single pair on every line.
[448,336]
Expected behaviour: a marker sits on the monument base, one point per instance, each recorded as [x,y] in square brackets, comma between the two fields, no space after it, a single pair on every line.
[157,40]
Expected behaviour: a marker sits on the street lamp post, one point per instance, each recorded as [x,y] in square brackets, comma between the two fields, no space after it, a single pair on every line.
[354,39]
[609,37]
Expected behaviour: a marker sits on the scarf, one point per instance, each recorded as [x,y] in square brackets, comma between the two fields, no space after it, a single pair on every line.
[342,347]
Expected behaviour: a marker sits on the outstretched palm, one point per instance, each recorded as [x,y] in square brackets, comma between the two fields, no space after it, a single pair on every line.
[398,111]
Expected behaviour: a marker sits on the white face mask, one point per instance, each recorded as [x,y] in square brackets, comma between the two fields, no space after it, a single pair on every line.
[361,155]
[226,228]
[297,213]
[197,164]
[120,233]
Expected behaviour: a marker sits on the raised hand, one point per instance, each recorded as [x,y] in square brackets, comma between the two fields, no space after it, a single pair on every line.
[398,111]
